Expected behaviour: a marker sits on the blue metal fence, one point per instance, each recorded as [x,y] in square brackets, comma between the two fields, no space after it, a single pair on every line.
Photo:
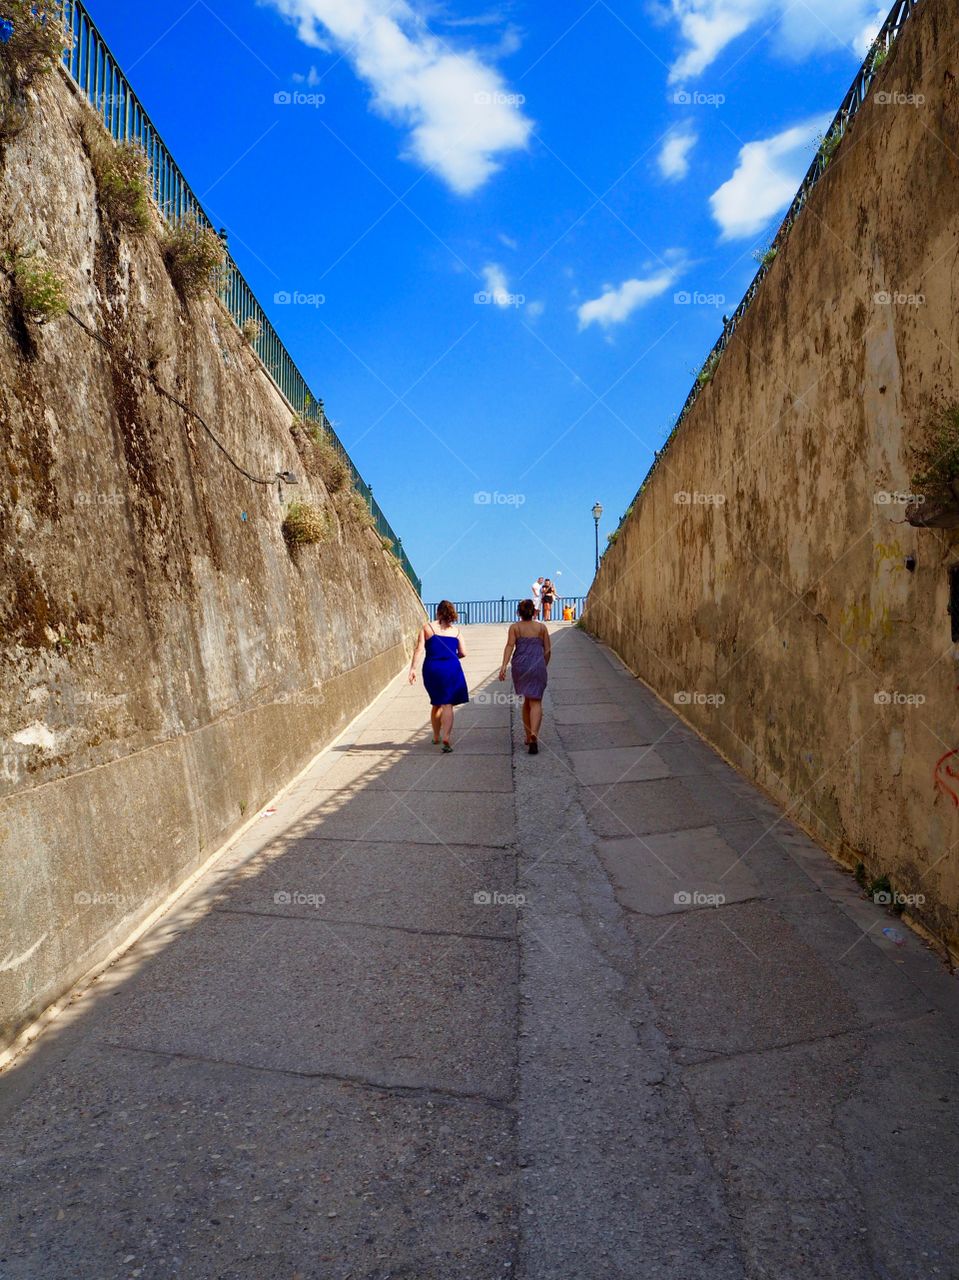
[97,75]
[856,95]
[503,610]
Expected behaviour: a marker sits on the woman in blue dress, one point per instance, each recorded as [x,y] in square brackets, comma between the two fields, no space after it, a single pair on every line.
[442,672]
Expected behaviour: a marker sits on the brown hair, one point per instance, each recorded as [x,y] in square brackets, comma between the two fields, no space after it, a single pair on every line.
[526,610]
[446,613]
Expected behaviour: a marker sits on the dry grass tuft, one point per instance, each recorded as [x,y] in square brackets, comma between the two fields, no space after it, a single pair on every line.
[195,257]
[305,524]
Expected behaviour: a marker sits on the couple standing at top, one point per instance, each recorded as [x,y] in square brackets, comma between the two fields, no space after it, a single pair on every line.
[527,649]
[544,597]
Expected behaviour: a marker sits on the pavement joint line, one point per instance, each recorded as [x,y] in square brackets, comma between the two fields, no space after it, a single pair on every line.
[416,844]
[864,1029]
[429,844]
[365,924]
[414,791]
[426,1092]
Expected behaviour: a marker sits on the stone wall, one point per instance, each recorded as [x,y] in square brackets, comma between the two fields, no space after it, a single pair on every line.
[168,662]
[762,583]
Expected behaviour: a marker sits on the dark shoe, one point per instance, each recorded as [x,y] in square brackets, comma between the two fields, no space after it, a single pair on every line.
[534,747]
[447,747]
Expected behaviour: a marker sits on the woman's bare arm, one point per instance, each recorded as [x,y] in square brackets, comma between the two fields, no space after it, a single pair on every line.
[547,645]
[420,645]
[508,651]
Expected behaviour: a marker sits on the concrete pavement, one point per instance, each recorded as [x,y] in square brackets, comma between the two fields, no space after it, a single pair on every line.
[599,1013]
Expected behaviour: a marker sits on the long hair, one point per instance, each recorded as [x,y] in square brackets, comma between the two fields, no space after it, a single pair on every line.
[446,613]
[526,610]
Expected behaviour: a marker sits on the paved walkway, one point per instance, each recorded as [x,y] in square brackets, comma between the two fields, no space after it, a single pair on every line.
[446,1017]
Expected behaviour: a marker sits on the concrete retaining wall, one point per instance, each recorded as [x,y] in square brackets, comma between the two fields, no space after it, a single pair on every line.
[168,663]
[761,583]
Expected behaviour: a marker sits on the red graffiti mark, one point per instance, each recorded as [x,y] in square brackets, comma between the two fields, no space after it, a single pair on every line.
[946,777]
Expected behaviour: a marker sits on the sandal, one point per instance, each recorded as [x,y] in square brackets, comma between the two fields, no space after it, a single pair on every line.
[533,746]
[446,747]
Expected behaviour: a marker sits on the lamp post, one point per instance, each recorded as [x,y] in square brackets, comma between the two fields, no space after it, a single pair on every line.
[597,516]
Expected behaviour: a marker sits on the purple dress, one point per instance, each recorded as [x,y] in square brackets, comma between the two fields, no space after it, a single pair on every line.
[529,667]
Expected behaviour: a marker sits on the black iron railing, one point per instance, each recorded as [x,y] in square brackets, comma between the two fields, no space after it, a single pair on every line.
[504,609]
[97,75]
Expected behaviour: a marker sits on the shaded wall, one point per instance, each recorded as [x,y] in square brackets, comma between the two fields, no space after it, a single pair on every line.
[168,663]
[761,582]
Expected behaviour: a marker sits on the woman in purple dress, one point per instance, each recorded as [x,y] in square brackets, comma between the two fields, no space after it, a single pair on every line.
[529,648]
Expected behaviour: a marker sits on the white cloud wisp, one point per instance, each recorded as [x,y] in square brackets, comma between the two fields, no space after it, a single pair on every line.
[459,113]
[766,178]
[708,26]
[618,302]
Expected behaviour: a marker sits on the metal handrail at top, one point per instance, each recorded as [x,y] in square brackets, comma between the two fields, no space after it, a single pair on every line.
[503,610]
[97,75]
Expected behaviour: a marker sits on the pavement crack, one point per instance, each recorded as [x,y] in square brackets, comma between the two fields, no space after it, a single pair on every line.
[365,924]
[424,1092]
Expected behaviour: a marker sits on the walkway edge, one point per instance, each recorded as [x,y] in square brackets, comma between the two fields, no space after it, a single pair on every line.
[31,1034]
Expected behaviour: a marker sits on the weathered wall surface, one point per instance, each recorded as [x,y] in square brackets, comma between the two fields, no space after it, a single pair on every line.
[167,663]
[760,564]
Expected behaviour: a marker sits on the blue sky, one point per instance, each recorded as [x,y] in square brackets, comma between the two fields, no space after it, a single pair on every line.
[525,222]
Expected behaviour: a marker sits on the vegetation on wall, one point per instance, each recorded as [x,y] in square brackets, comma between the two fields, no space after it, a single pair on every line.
[357,510]
[194,256]
[935,479]
[829,144]
[320,455]
[766,255]
[122,174]
[709,368]
[305,524]
[32,40]
[39,290]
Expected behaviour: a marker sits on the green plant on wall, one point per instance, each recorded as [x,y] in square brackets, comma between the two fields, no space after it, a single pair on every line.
[829,144]
[877,56]
[39,290]
[356,509]
[320,454]
[706,373]
[765,256]
[122,174]
[32,40]
[195,257]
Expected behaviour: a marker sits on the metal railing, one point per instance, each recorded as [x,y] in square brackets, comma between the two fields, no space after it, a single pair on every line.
[503,610]
[856,95]
[97,75]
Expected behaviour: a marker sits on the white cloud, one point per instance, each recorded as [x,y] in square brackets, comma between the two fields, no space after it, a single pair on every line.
[458,110]
[673,159]
[313,78]
[765,180]
[618,302]
[497,286]
[535,309]
[708,26]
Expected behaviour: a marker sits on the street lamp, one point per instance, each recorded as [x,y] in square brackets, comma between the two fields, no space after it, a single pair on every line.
[597,516]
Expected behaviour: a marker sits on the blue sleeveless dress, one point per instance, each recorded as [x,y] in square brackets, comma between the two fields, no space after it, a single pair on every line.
[443,672]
